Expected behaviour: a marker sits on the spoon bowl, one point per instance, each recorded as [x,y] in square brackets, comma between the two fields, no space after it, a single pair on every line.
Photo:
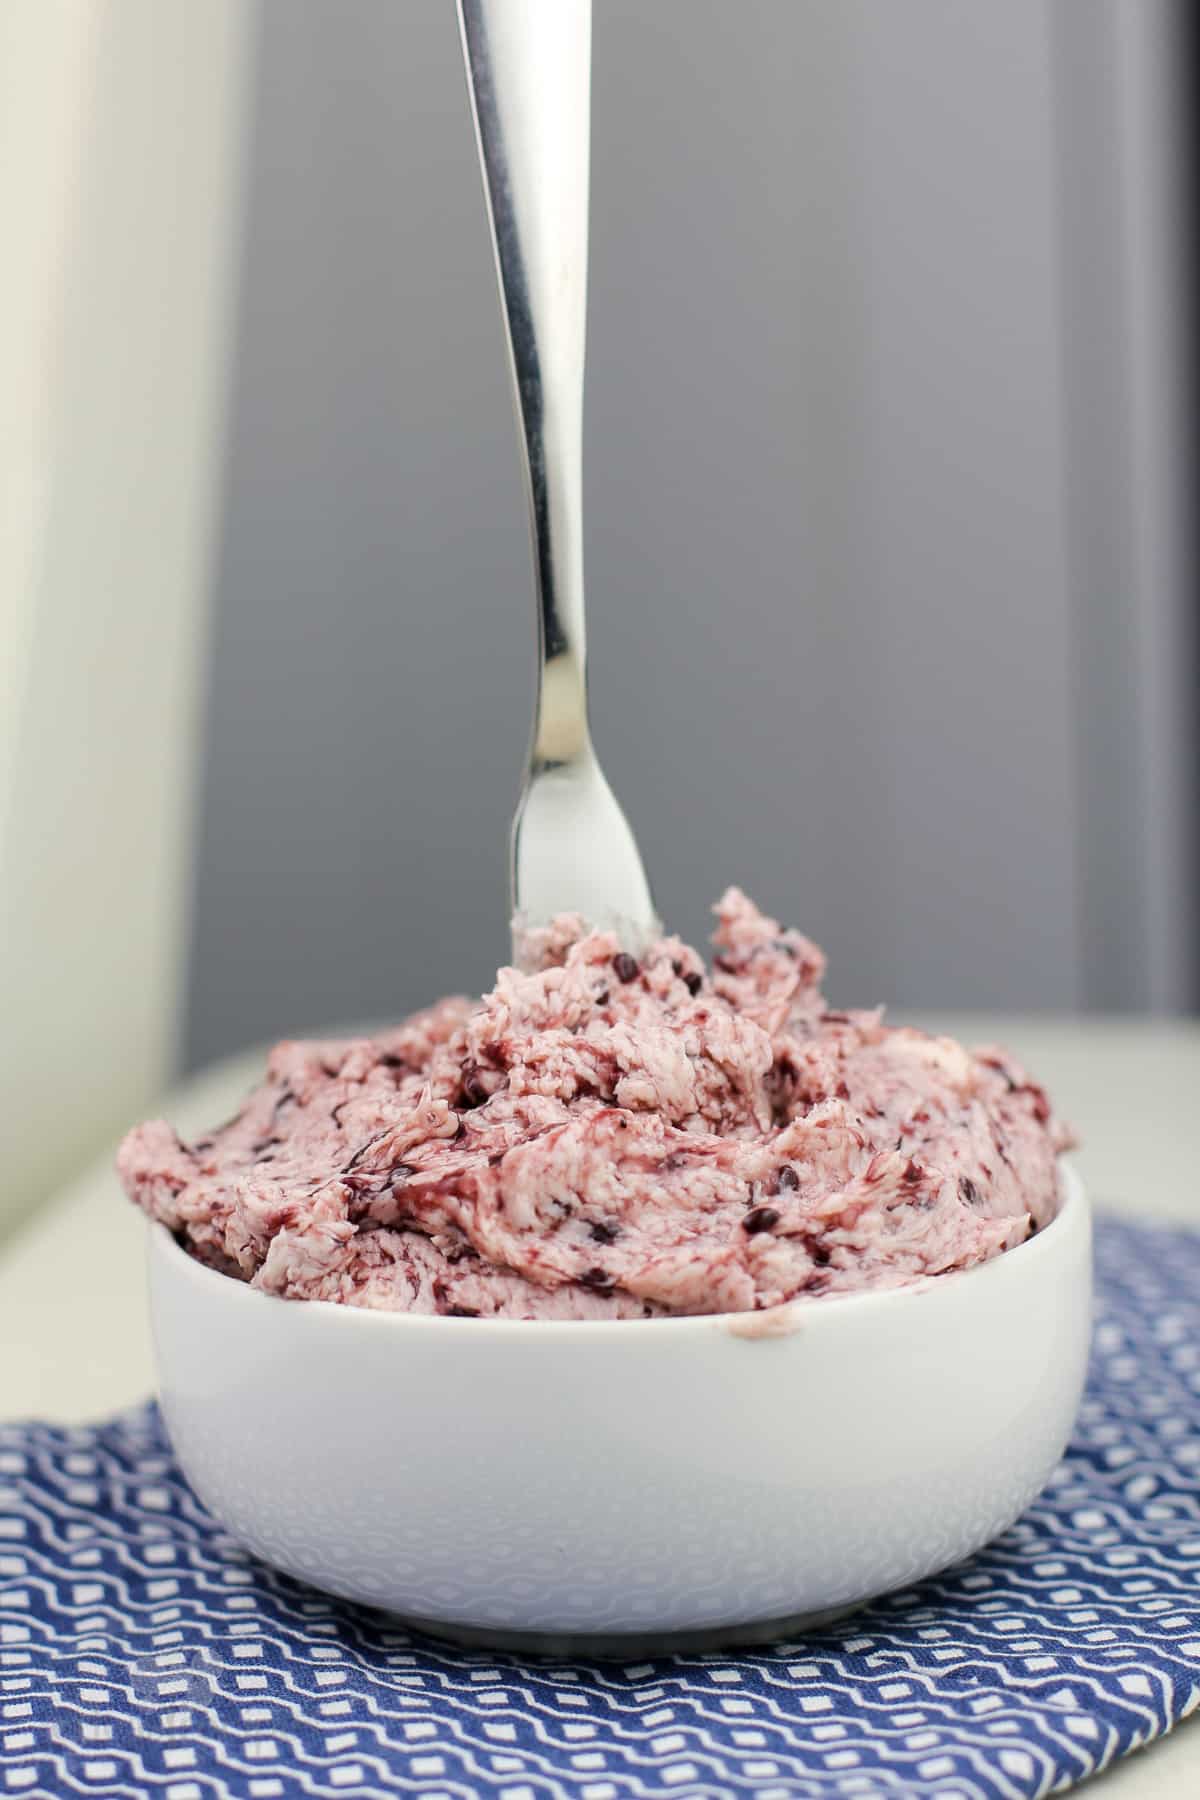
[571,838]
[627,1485]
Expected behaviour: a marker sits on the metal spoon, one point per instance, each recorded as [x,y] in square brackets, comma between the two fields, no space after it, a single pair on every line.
[528,68]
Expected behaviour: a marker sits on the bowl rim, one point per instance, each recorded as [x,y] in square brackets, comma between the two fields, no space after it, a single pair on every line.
[1071,1216]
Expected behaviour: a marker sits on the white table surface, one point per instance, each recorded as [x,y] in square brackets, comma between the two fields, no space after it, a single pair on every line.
[74,1342]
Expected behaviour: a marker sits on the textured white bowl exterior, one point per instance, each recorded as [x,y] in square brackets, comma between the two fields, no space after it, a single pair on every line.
[625,1477]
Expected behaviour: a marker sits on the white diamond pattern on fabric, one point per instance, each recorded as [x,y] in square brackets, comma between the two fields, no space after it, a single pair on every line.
[142,1653]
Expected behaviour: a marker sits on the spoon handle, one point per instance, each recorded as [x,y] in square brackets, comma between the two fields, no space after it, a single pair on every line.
[528,68]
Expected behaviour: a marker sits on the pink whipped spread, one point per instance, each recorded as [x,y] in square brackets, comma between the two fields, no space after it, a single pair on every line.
[611,1137]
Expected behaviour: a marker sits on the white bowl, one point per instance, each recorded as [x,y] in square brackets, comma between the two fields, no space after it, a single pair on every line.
[569,1484]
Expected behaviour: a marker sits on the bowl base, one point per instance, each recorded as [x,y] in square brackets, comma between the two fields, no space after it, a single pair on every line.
[624,1645]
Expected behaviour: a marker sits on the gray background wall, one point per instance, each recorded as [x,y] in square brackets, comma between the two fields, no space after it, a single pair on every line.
[885,583]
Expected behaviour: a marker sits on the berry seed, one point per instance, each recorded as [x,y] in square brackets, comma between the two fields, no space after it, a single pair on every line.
[760,1218]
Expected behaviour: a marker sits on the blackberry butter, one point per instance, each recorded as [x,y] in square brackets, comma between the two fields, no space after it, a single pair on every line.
[605,1136]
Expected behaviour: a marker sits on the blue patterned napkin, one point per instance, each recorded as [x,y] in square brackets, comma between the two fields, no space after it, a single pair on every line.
[143,1653]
